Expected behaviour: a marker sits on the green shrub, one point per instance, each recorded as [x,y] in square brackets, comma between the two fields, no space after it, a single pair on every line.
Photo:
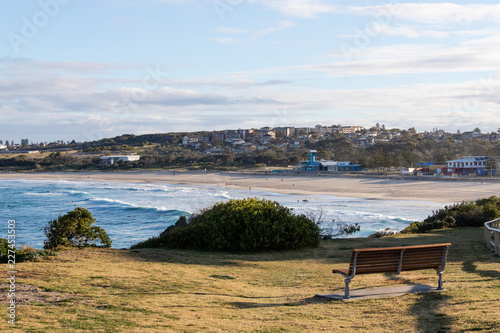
[75,229]
[28,253]
[241,225]
[22,253]
[465,214]
[4,249]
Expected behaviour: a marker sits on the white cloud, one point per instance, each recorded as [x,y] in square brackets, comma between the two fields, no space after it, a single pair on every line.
[224,83]
[280,26]
[77,105]
[297,8]
[409,32]
[469,56]
[431,13]
[254,36]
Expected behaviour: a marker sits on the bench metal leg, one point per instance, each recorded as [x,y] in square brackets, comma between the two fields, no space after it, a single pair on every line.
[346,295]
[440,281]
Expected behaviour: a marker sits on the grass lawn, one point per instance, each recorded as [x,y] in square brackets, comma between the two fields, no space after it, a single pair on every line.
[27,156]
[159,290]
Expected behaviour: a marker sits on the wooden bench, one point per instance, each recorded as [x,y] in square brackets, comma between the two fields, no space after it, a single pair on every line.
[396,260]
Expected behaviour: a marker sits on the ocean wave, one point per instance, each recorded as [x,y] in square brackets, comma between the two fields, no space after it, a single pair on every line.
[134,207]
[42,194]
[73,192]
[146,189]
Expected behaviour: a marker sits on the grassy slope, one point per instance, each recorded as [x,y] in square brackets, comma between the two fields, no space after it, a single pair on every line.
[186,291]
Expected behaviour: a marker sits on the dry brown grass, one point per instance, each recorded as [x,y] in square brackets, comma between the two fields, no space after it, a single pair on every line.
[27,156]
[158,290]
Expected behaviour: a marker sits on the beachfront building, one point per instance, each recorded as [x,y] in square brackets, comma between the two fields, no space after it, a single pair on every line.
[473,165]
[326,166]
[110,160]
[310,165]
[347,167]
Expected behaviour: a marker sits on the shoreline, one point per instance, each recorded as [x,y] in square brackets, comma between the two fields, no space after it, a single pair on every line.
[364,187]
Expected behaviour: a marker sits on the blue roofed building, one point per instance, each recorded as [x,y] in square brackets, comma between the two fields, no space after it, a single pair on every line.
[326,166]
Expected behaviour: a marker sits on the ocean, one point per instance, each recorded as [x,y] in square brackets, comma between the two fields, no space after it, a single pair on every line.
[131,213]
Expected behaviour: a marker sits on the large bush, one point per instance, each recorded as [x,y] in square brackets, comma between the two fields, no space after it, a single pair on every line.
[466,214]
[75,229]
[241,225]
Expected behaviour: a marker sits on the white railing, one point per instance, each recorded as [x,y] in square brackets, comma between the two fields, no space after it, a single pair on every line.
[492,235]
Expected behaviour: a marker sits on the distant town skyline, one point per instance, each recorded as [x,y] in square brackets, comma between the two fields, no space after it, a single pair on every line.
[286,132]
[86,70]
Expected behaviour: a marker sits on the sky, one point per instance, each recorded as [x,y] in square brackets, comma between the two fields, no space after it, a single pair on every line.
[88,69]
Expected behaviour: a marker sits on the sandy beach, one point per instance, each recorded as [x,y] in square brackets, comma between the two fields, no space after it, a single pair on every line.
[433,190]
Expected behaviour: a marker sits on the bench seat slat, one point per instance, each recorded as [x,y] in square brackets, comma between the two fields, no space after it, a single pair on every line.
[420,266]
[432,261]
[377,262]
[360,270]
[406,248]
[434,252]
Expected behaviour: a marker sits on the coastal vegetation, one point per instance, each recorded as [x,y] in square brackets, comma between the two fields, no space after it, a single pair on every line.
[248,225]
[20,253]
[173,290]
[465,214]
[76,229]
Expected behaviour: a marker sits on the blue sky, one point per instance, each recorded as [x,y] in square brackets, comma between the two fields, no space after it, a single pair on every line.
[85,70]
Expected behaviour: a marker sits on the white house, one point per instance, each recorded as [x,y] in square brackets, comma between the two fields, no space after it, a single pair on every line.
[119,158]
[235,141]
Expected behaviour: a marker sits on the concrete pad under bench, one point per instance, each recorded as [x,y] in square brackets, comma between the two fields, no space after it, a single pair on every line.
[380,292]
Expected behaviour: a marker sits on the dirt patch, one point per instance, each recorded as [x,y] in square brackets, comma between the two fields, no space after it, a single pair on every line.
[25,294]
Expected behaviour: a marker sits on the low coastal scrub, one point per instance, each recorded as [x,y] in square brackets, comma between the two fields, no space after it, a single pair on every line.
[75,229]
[21,253]
[465,214]
[248,225]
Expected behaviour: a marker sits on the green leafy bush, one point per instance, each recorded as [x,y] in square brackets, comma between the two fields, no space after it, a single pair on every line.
[22,253]
[4,249]
[75,229]
[465,214]
[241,225]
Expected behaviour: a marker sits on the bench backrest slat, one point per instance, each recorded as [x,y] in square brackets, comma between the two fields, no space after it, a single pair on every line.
[384,260]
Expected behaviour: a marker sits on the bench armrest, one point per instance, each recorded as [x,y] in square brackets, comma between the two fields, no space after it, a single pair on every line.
[344,272]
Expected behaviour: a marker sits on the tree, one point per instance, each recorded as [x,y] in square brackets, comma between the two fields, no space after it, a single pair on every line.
[75,229]
[491,163]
